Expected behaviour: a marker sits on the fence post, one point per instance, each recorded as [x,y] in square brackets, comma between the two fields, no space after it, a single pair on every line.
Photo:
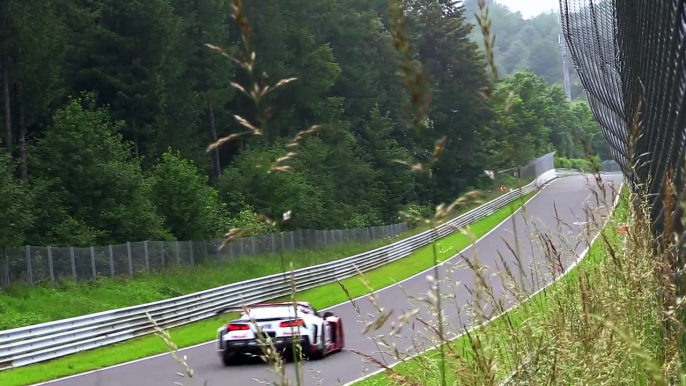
[128,251]
[73,264]
[283,245]
[93,262]
[292,240]
[192,258]
[147,256]
[28,265]
[273,243]
[242,247]
[50,266]
[217,244]
[164,265]
[111,261]
[178,253]
[252,239]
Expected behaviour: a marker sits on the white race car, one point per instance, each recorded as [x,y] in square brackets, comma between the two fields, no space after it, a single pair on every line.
[281,323]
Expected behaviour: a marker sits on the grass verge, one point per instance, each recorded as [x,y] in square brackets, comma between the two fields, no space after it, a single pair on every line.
[204,331]
[599,324]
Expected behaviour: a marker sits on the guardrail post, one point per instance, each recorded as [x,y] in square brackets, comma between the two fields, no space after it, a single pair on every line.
[147,256]
[50,266]
[28,265]
[95,273]
[111,261]
[73,264]
[128,251]
[190,243]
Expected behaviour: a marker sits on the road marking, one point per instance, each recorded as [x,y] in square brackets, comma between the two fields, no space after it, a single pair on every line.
[324,309]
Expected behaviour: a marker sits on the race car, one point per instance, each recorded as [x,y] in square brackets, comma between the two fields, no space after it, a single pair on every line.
[280,323]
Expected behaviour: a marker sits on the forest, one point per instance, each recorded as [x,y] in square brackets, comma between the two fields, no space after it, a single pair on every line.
[108,108]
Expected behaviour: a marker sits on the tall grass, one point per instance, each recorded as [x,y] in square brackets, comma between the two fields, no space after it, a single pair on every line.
[601,323]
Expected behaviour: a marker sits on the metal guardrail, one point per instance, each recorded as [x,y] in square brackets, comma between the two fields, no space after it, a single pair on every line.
[46,341]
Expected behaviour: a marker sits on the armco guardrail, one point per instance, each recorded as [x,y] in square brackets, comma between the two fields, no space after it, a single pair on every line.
[38,343]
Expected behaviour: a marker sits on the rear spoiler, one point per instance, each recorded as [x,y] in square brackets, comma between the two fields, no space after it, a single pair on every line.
[230,309]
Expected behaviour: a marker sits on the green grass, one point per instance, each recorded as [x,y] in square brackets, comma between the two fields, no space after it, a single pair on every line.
[498,345]
[204,331]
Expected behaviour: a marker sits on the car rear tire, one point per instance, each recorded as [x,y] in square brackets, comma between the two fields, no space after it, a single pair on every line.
[228,358]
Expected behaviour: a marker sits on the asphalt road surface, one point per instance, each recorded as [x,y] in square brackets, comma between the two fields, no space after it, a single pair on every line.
[558,211]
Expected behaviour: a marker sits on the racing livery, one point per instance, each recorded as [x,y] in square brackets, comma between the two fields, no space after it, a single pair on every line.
[280,324]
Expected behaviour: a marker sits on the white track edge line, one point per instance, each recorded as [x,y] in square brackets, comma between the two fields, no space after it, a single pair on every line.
[545,185]
[582,255]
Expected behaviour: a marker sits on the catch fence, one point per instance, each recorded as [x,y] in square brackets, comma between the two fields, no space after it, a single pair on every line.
[630,59]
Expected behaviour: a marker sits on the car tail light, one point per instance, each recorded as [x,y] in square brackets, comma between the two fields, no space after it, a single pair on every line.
[237,327]
[292,323]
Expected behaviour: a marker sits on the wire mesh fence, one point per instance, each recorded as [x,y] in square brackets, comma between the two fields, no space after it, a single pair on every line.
[630,58]
[34,264]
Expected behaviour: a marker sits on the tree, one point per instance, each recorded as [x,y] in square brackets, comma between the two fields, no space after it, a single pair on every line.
[33,45]
[125,70]
[16,215]
[93,178]
[191,209]
[245,184]
[459,110]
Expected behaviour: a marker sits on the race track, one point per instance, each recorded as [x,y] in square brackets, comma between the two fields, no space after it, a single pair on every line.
[570,195]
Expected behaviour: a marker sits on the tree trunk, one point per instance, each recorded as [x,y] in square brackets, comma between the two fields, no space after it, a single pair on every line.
[23,166]
[216,163]
[135,138]
[6,97]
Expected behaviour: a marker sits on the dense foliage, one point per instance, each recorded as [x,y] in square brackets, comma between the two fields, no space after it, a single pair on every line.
[108,109]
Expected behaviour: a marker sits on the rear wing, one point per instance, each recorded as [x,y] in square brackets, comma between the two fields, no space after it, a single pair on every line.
[230,309]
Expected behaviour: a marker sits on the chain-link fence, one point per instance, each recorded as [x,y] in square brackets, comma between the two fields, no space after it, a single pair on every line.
[32,264]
